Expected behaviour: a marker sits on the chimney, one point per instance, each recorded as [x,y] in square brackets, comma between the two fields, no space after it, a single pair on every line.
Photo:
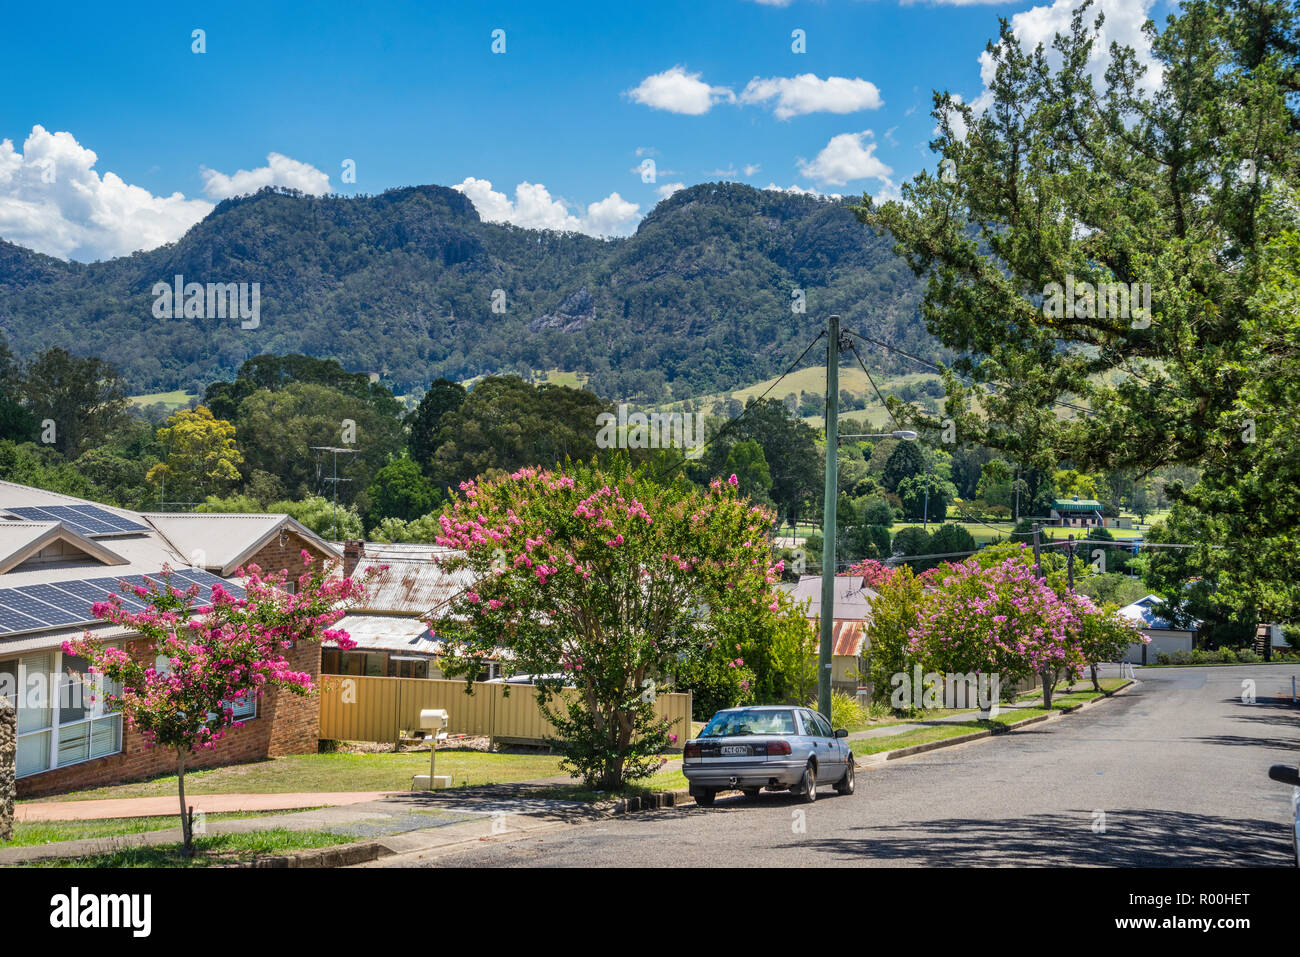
[353,549]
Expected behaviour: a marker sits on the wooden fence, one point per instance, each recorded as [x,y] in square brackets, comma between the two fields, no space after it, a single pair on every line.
[355,708]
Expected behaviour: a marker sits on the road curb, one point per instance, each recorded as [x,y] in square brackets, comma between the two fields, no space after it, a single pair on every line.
[340,855]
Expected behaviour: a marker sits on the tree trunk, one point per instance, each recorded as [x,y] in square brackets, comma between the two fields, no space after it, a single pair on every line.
[1096,685]
[1049,684]
[187,823]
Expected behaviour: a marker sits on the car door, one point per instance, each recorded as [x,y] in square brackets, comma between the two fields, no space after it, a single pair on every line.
[820,744]
[834,761]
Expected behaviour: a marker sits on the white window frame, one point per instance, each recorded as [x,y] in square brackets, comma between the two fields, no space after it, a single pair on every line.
[97,715]
[244,710]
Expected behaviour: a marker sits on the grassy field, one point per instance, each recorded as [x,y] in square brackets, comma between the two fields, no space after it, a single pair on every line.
[337,772]
[217,849]
[173,400]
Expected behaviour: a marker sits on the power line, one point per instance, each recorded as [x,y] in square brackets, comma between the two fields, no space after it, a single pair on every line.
[994,387]
[730,422]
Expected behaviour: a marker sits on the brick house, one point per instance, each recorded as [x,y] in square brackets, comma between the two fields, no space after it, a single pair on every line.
[58,554]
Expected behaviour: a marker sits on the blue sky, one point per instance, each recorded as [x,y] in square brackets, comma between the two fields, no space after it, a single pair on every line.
[412,93]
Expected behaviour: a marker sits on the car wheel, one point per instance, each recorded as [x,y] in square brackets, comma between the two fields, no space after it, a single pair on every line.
[704,798]
[808,784]
[846,783]
[750,792]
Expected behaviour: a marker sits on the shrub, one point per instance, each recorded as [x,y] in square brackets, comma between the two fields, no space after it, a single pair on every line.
[1180,657]
[1163,658]
[845,711]
[1227,656]
[1247,656]
[1199,656]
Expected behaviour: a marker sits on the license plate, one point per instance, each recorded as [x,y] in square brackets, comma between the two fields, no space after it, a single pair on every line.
[729,750]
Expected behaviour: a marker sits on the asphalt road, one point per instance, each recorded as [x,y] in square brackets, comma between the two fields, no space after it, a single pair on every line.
[1178,766]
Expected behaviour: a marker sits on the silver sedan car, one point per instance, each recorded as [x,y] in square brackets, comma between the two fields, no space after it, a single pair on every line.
[778,747]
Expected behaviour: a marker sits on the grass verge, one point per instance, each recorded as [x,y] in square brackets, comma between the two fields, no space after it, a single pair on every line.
[336,772]
[208,851]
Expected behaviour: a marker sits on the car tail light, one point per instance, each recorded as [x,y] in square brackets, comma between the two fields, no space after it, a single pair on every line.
[778,747]
[692,750]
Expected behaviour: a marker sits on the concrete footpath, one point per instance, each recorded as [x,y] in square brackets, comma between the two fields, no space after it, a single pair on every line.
[404,826]
[206,803]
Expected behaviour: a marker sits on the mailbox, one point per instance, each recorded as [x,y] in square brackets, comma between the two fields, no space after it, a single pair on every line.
[435,720]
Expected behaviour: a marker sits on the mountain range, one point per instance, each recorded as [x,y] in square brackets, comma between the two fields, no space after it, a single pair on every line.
[412,284]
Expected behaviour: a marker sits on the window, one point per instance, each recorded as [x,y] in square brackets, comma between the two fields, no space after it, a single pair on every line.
[63,713]
[242,708]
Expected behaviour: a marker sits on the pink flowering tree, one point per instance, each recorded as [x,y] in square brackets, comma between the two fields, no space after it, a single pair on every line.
[612,580]
[1103,634]
[202,657]
[1002,619]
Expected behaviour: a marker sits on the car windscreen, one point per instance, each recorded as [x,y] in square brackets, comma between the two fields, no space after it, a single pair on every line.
[740,723]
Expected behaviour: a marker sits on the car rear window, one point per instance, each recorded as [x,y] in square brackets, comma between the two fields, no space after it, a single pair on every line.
[740,723]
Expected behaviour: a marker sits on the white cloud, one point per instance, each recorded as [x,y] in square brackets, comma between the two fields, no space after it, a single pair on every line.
[751,169]
[279,170]
[846,157]
[800,191]
[807,93]
[1123,25]
[534,208]
[667,189]
[677,91]
[955,120]
[53,201]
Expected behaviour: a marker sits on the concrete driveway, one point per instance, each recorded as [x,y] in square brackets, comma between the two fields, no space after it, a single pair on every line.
[1171,773]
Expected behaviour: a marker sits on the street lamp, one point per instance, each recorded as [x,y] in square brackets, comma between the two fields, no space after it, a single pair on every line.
[907,434]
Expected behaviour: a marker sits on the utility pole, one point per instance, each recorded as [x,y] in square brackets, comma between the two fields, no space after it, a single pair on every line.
[1070,549]
[1038,563]
[828,515]
[927,496]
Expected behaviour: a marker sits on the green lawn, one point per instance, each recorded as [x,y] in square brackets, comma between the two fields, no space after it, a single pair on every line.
[1005,717]
[337,772]
[173,400]
[217,849]
[34,833]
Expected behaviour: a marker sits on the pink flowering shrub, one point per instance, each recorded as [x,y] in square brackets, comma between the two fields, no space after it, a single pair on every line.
[203,656]
[612,580]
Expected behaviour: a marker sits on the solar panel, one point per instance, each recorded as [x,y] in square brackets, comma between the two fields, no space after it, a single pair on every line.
[116,522]
[32,513]
[52,594]
[36,609]
[11,620]
[74,517]
[82,591]
[69,610]
[129,600]
[205,580]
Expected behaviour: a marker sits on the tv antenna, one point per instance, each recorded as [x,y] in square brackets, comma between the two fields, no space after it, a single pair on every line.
[334,479]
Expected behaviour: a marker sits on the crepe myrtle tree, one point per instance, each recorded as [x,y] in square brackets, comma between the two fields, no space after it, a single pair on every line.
[611,580]
[1003,619]
[201,658]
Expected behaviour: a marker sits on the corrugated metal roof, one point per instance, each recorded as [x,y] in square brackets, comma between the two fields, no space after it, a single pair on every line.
[847,638]
[223,540]
[393,633]
[852,599]
[411,587]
